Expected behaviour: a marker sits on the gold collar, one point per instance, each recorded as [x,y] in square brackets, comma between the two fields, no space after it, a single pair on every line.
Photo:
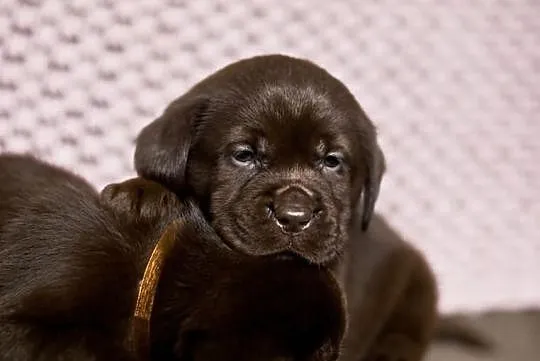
[138,337]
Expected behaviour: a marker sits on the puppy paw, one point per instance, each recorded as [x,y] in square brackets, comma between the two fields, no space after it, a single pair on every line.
[395,347]
[140,199]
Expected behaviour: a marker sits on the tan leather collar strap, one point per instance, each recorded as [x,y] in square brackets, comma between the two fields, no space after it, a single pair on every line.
[138,337]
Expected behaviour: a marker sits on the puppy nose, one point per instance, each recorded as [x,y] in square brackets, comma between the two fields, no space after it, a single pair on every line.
[293,209]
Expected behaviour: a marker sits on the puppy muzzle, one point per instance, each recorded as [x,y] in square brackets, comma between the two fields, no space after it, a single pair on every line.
[293,208]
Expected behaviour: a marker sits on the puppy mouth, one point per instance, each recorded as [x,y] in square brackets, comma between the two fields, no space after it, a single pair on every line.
[259,236]
[286,252]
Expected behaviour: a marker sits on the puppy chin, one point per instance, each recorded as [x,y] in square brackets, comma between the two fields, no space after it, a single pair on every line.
[318,260]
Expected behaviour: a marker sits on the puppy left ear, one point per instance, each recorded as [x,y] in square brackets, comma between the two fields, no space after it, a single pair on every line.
[376,169]
[162,147]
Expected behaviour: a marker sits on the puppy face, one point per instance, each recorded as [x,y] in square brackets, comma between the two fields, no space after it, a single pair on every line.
[277,152]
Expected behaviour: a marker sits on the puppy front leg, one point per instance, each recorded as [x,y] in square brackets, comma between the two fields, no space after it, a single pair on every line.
[407,332]
[391,297]
[375,280]
[23,342]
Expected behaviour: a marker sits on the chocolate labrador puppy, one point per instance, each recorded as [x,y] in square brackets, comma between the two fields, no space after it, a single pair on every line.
[284,163]
[277,153]
[73,261]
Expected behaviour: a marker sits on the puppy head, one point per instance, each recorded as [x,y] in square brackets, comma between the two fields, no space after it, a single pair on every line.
[276,150]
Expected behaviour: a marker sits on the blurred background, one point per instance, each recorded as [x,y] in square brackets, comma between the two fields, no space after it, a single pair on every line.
[453,86]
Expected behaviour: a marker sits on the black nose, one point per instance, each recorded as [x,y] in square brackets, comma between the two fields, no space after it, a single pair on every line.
[293,209]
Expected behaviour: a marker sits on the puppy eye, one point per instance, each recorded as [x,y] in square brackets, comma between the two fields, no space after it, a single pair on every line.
[243,156]
[333,160]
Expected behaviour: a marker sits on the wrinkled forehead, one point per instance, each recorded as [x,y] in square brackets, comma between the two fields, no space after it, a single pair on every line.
[282,117]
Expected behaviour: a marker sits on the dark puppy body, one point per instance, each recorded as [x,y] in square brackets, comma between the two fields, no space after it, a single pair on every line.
[283,161]
[67,276]
[71,262]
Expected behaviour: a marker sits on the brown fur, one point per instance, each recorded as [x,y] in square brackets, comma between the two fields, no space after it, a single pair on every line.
[71,260]
[392,298]
[293,117]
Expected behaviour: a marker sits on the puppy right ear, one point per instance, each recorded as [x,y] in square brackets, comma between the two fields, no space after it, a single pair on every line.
[376,170]
[162,147]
